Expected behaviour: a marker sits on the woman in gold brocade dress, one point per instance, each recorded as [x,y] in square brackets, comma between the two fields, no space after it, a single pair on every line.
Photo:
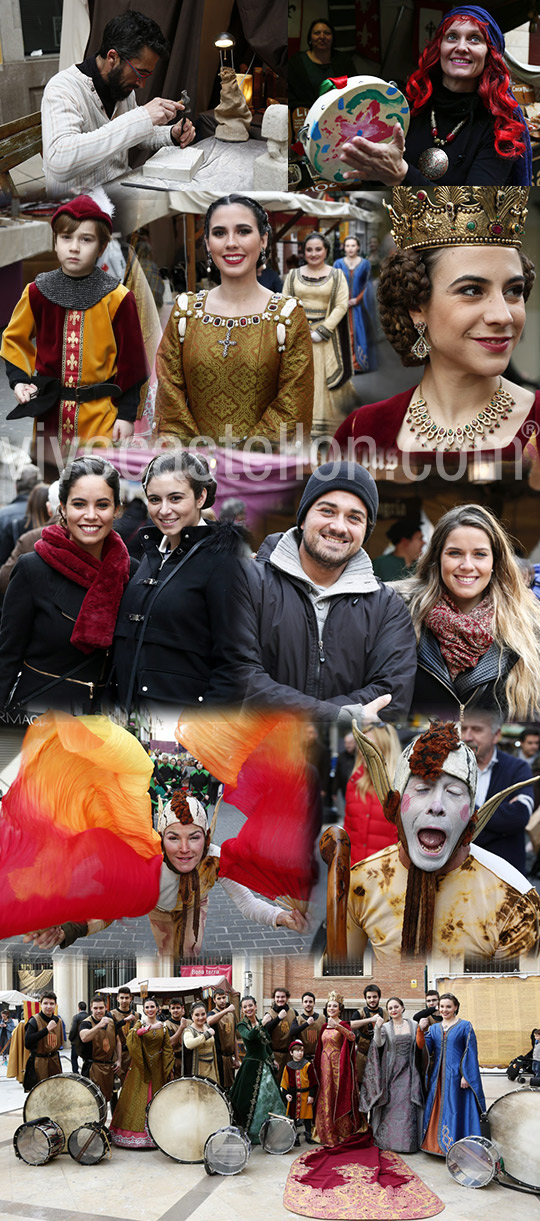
[337,1115]
[324,294]
[152,1060]
[235,362]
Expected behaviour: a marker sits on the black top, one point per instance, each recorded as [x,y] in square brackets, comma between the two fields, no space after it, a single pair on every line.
[175,635]
[471,155]
[33,1036]
[306,77]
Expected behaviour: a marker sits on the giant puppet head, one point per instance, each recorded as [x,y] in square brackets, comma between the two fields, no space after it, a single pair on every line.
[432,805]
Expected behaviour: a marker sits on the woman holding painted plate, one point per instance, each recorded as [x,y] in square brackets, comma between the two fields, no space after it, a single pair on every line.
[466,126]
[452,298]
[234,363]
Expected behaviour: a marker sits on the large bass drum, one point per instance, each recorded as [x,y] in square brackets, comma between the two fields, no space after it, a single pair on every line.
[514,1125]
[39,1141]
[68,1099]
[183,1114]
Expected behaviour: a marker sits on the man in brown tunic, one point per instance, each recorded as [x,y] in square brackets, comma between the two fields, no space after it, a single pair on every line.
[176,1025]
[278,1021]
[307,1025]
[123,1018]
[222,1019]
[43,1038]
[103,1048]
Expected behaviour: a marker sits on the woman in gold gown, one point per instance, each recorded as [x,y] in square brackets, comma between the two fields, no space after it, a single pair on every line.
[235,362]
[199,1040]
[152,1060]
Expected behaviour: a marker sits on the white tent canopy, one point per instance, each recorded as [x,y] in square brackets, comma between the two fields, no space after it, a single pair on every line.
[13,997]
[173,984]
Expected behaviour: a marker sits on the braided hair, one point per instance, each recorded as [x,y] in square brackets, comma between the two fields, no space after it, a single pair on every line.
[405,283]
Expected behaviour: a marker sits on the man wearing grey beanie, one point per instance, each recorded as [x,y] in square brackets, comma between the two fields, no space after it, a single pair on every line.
[323,635]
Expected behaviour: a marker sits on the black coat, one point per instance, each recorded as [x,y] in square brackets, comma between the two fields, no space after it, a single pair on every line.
[175,636]
[483,686]
[368,647]
[38,616]
[505,831]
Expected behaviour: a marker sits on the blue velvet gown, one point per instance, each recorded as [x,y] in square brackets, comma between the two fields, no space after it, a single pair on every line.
[362,315]
[457,1110]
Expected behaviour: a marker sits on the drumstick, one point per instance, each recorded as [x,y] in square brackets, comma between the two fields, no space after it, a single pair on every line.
[335,849]
[85,1147]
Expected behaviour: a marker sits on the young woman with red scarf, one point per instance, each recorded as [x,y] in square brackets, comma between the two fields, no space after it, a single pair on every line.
[466,126]
[62,601]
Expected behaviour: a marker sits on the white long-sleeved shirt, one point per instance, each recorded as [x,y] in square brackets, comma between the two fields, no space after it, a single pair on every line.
[82,147]
[247,903]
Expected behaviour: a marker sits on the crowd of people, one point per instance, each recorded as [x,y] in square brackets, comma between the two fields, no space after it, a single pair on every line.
[415,1080]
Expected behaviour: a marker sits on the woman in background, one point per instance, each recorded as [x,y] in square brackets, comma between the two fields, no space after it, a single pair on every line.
[365,823]
[357,272]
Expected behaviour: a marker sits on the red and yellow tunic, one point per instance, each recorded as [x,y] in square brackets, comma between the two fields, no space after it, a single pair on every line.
[299,1079]
[80,347]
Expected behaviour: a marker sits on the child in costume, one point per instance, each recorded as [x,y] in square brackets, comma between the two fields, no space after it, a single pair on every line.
[298,1088]
[73,347]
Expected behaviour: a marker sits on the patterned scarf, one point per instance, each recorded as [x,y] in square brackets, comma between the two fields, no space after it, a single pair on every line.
[463,638]
[105,580]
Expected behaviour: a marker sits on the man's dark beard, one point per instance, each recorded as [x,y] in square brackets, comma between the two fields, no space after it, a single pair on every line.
[118,90]
[324,561]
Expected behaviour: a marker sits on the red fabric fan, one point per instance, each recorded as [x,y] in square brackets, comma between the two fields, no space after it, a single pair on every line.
[273,853]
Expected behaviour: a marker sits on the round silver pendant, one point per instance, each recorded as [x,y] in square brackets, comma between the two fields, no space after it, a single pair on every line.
[433,163]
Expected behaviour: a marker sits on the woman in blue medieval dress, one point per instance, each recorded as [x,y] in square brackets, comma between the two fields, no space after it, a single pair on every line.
[357,272]
[455,1098]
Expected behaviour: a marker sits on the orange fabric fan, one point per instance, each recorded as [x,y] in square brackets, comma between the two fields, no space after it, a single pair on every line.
[76,834]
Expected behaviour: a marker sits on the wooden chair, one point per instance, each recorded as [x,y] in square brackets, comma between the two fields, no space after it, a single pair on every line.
[19,140]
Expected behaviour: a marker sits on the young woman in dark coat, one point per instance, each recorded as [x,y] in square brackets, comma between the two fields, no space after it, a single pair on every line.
[175,639]
[62,600]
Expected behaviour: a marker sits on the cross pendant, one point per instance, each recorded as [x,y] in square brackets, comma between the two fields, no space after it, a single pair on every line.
[227,343]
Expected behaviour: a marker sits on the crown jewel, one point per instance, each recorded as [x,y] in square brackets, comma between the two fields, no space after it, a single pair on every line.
[453,216]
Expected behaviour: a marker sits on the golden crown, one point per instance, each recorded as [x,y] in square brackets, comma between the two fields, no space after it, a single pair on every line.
[468,216]
[335,996]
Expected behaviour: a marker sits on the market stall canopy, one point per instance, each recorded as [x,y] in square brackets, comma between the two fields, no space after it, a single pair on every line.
[13,997]
[162,984]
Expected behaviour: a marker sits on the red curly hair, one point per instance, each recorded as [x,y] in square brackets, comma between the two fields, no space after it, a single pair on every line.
[493,89]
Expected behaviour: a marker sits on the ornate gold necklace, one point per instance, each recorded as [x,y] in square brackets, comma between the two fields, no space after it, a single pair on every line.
[436,437]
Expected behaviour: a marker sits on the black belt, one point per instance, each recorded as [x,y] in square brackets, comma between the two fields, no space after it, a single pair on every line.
[45,1055]
[86,394]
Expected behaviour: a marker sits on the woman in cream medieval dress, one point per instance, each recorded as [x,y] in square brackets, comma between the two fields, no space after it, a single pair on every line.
[324,294]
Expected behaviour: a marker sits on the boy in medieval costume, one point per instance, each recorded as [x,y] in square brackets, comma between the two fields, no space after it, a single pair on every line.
[73,348]
[298,1089]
